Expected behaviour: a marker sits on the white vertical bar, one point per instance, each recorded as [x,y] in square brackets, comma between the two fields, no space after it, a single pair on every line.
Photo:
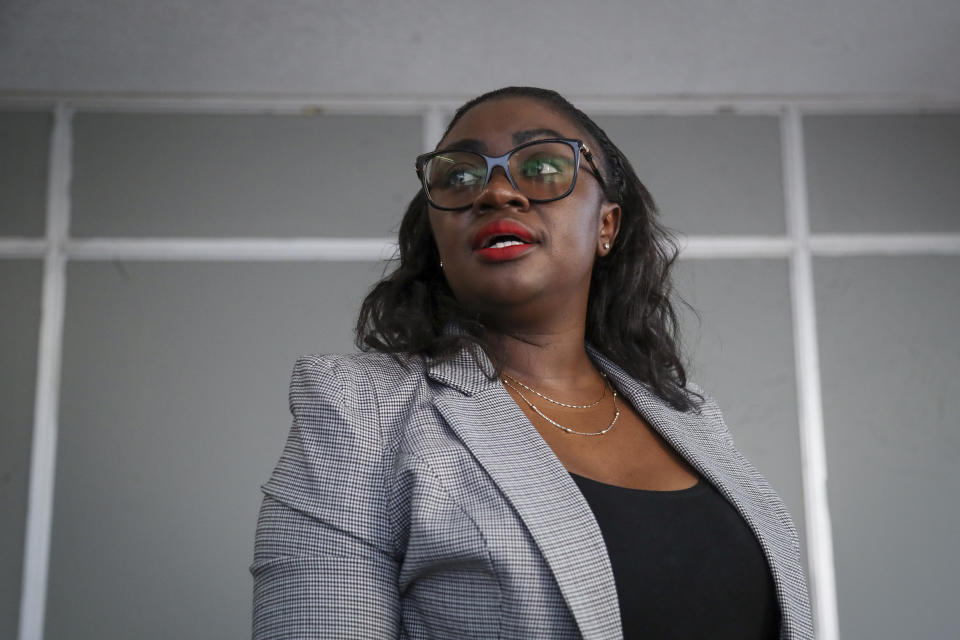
[812,445]
[434,122]
[43,455]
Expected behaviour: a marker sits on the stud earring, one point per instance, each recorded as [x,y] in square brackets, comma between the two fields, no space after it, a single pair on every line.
[606,246]
[441,264]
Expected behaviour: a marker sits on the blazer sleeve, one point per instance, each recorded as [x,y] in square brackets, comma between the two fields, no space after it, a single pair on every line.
[324,564]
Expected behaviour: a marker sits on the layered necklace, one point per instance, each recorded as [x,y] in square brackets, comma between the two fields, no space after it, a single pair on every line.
[515,384]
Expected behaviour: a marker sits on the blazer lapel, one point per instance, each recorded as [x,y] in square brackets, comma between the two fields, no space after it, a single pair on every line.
[686,432]
[537,485]
[540,489]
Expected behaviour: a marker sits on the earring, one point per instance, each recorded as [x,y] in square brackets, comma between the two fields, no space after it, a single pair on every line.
[606,246]
[441,264]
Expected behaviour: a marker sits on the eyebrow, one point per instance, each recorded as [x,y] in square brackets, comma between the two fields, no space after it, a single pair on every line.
[530,134]
[479,146]
[466,144]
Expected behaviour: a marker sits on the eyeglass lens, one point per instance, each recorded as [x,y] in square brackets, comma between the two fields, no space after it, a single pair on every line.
[543,171]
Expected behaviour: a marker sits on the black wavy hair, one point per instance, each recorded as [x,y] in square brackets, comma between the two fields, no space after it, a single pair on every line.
[630,316]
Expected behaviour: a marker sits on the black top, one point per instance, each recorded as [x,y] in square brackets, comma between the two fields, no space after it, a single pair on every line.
[698,573]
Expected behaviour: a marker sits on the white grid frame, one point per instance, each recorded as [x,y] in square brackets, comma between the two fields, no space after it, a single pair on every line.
[798,245]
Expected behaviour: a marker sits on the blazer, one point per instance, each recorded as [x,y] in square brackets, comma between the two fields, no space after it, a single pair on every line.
[419,501]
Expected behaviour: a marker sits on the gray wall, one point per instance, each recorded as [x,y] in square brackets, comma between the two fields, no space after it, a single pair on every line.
[173,402]
[20,292]
[173,396]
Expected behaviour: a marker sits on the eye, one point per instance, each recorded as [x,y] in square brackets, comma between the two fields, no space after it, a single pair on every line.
[462,177]
[545,168]
[454,173]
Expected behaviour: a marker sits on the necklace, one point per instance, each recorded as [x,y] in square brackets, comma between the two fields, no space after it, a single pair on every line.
[557,424]
[603,394]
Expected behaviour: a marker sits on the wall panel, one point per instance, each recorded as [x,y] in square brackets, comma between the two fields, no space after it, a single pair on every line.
[20,282]
[24,147]
[890,361]
[242,175]
[173,413]
[709,174]
[883,173]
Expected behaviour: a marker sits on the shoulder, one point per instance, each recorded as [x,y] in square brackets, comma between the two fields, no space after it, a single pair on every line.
[350,377]
[355,367]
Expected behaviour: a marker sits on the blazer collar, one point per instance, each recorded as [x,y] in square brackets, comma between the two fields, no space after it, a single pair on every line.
[470,372]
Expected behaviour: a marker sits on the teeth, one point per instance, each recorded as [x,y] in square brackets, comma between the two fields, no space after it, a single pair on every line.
[505,243]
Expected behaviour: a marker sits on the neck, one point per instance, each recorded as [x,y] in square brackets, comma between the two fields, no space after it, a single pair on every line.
[540,342]
[550,361]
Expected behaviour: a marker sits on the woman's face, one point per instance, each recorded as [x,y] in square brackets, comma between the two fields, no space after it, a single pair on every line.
[551,273]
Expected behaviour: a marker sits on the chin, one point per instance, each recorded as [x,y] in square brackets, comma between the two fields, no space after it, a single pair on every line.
[497,300]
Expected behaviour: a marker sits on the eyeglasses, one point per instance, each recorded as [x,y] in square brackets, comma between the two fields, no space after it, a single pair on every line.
[542,170]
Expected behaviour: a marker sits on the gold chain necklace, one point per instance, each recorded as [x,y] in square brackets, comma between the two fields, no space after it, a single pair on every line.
[603,394]
[557,424]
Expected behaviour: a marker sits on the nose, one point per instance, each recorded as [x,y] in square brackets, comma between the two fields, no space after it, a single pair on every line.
[499,193]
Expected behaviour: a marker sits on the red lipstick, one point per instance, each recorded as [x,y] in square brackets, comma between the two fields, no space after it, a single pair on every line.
[502,240]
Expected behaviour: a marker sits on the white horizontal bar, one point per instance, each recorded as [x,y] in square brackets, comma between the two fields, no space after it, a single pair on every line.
[854,244]
[359,249]
[23,247]
[269,249]
[734,246]
[363,249]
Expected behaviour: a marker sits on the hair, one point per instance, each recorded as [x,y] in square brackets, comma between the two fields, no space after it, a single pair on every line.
[630,316]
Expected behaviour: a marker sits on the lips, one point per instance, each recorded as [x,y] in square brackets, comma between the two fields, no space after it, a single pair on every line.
[503,240]
[500,232]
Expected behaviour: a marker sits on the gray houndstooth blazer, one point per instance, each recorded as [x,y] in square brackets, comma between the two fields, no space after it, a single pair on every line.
[421,503]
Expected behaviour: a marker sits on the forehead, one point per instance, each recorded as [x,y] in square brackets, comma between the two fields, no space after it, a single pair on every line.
[495,123]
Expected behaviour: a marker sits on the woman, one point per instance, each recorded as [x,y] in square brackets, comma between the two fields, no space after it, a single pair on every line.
[519,454]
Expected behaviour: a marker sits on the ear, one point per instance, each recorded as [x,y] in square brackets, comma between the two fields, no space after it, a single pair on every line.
[610,214]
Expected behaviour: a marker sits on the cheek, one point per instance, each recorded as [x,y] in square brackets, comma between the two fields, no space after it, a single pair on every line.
[442,231]
[577,235]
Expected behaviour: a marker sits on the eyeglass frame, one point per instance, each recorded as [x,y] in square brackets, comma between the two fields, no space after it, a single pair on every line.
[578,146]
